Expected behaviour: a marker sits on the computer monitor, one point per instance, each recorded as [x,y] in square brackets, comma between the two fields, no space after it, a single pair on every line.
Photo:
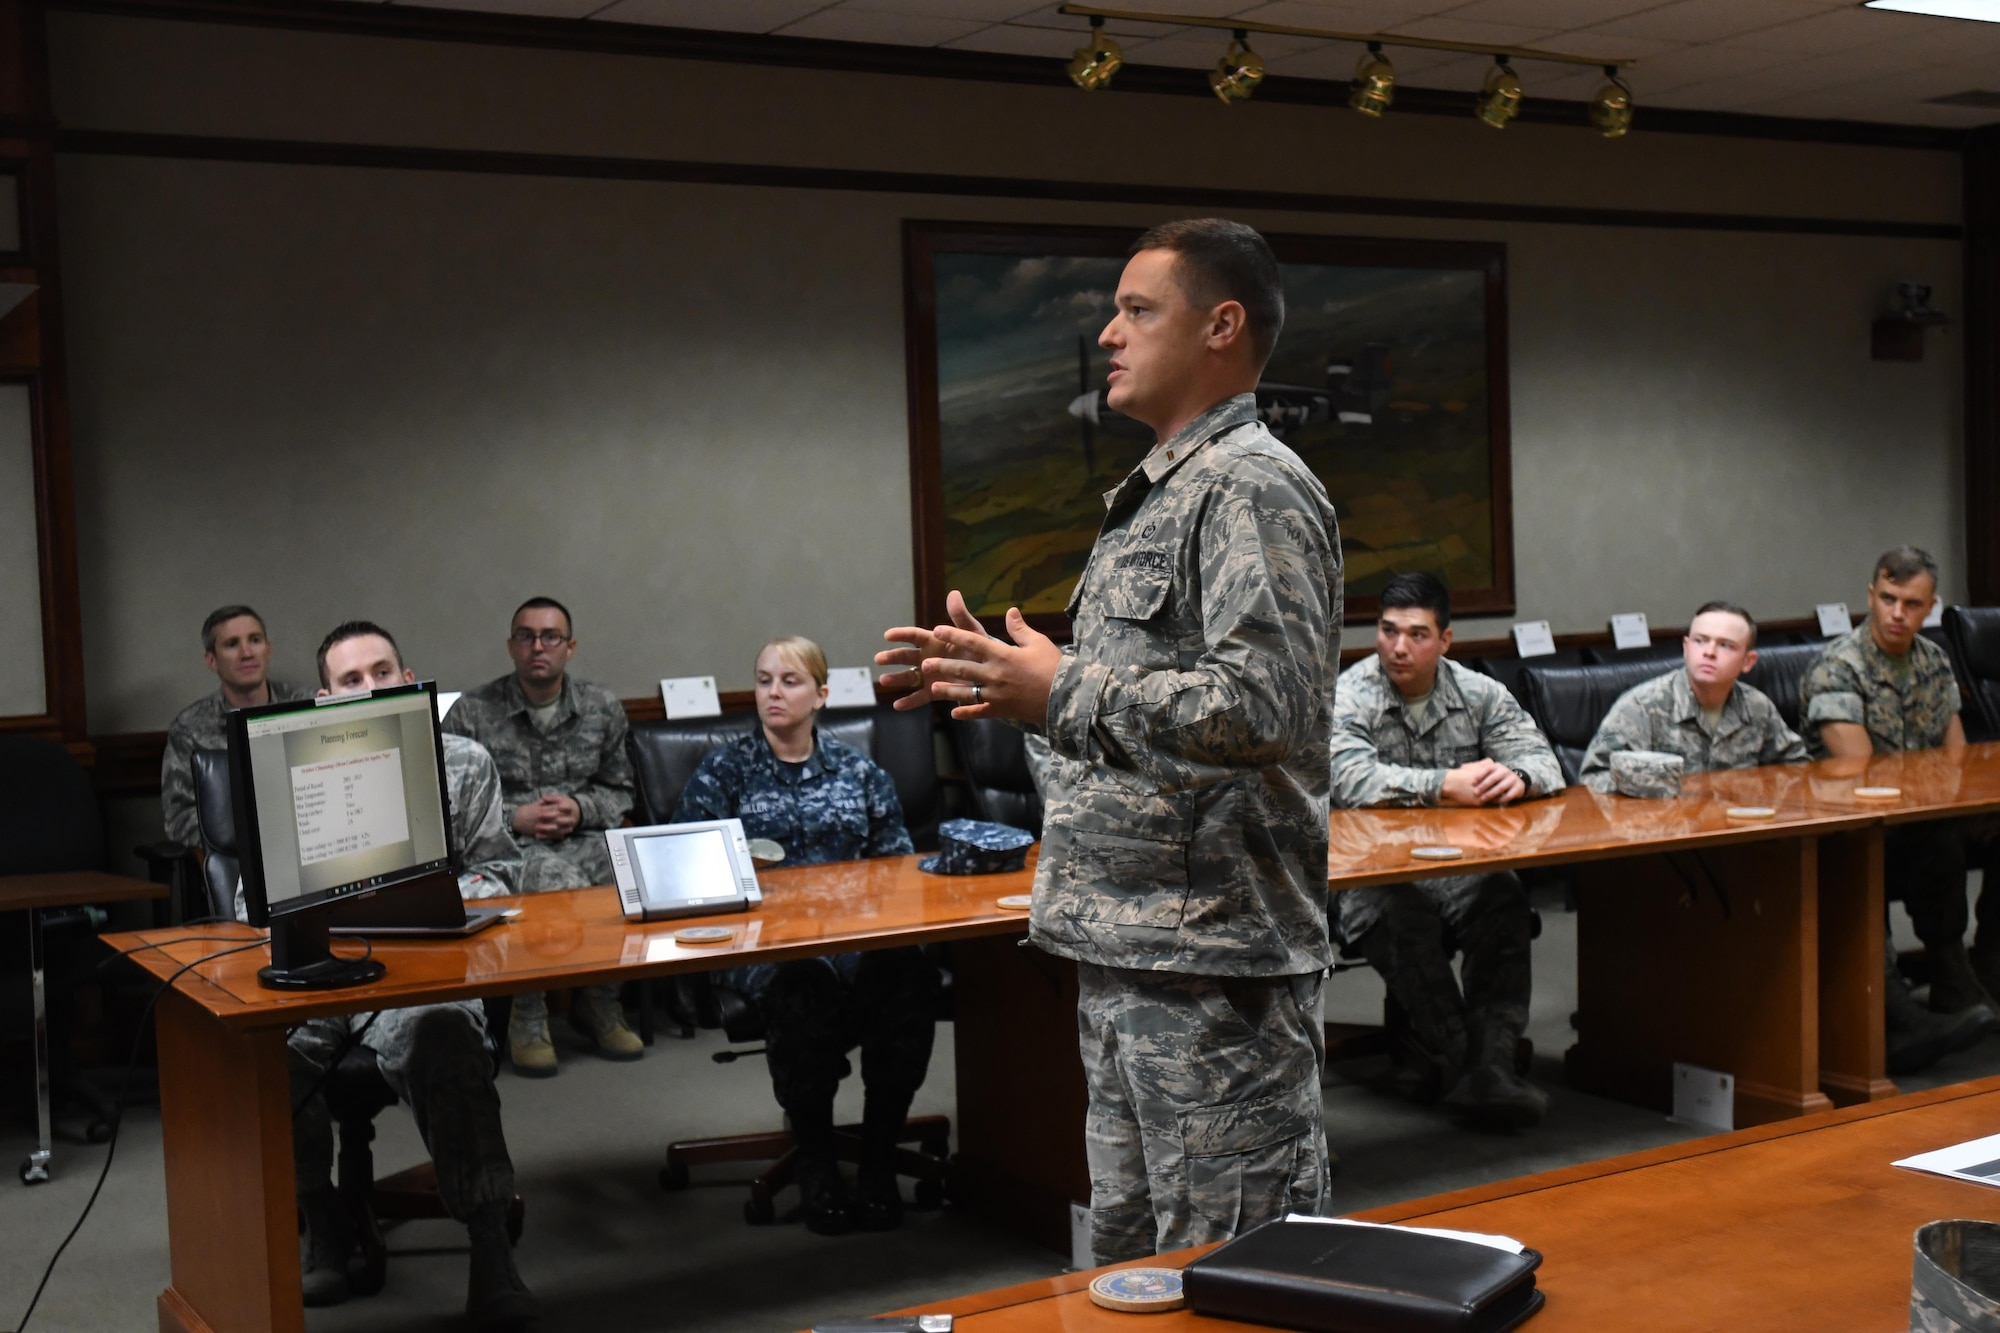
[337,798]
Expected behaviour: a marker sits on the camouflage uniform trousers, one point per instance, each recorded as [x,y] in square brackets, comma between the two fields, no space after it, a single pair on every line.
[1399,929]
[815,1010]
[1925,866]
[1205,1116]
[435,1057]
[580,861]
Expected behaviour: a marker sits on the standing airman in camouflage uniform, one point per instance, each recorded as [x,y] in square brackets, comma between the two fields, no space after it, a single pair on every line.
[822,800]
[435,1055]
[1882,688]
[560,746]
[1184,847]
[235,647]
[1412,727]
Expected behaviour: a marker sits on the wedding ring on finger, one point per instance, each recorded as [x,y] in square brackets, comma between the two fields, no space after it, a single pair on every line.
[978,695]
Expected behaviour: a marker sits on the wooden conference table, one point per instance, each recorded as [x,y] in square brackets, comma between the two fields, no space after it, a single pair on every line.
[1797,1225]
[1752,946]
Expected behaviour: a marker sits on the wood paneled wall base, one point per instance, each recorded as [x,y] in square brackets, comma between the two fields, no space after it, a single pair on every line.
[429,24]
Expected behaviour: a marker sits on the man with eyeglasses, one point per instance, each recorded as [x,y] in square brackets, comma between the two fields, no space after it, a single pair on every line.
[560,746]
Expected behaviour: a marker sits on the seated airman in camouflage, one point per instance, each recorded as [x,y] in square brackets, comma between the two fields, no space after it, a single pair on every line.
[1412,727]
[1882,688]
[235,647]
[1704,713]
[434,1055]
[821,801]
[565,778]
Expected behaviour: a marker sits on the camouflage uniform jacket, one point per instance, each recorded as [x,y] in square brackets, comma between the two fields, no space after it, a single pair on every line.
[1855,681]
[1187,831]
[581,756]
[199,726]
[840,806]
[1662,714]
[1380,759]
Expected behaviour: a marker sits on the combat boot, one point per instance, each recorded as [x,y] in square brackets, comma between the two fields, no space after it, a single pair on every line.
[528,1046]
[330,1245]
[1955,987]
[878,1195]
[1490,1094]
[495,1296]
[599,1016]
[1917,1038]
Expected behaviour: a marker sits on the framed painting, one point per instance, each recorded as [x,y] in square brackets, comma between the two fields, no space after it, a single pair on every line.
[1389,380]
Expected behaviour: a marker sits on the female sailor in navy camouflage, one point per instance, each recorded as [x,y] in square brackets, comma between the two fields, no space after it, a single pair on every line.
[835,804]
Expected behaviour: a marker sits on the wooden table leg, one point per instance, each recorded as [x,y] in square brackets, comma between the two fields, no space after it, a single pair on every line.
[1709,959]
[232,1211]
[1020,1088]
[1852,1047]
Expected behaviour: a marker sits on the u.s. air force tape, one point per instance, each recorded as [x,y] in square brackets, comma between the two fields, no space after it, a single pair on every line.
[1436,853]
[704,936]
[1139,1290]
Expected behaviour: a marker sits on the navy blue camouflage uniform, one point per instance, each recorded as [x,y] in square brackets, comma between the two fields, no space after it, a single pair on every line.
[838,805]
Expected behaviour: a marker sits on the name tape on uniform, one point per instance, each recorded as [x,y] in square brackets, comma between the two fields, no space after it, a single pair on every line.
[1628,630]
[1532,638]
[690,696]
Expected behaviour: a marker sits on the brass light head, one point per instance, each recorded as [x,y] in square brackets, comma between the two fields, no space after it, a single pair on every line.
[1500,100]
[1092,66]
[1611,108]
[1374,86]
[1239,71]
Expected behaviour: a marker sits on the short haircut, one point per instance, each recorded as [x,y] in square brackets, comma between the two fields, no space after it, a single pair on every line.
[218,617]
[801,650]
[1733,609]
[1904,563]
[1219,261]
[1418,592]
[569,621]
[353,629]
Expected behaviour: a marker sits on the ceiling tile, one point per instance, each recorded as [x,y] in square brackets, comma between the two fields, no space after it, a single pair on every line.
[1334,62]
[1548,14]
[1823,34]
[736,16]
[1009,39]
[852,25]
[1341,18]
[1695,21]
[1592,42]
[1451,28]
[978,11]
[555,9]
[1699,64]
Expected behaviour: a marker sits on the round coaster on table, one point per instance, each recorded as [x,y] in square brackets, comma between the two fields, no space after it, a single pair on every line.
[1139,1290]
[704,936]
[766,851]
[1436,853]
[1751,812]
[1878,793]
[1016,902]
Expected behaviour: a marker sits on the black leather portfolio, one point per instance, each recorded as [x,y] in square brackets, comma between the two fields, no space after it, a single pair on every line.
[1333,1278]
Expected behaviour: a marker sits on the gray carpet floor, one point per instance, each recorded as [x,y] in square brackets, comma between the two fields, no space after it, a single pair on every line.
[607,1250]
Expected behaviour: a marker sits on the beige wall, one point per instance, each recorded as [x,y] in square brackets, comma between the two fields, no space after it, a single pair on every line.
[421,396]
[22,689]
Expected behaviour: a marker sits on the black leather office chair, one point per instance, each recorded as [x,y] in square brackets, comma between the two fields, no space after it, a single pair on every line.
[664,757]
[355,1090]
[1781,674]
[1972,633]
[1569,702]
[994,757]
[1656,651]
[1507,670]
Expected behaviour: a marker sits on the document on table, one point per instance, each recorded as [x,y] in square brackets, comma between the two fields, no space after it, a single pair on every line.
[1977,1161]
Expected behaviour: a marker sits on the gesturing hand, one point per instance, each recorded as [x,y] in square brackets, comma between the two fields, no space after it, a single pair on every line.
[962,664]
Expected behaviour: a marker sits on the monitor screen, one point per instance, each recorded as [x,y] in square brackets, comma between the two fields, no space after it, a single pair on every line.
[345,795]
[693,864]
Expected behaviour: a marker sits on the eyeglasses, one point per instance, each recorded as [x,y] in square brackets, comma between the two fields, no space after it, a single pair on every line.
[548,638]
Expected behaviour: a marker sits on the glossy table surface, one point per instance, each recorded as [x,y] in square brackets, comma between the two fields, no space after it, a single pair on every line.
[69,888]
[1800,1225]
[581,935]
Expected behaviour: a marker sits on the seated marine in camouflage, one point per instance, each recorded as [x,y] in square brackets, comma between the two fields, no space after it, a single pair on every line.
[1882,688]
[1703,713]
[434,1055]
[822,800]
[235,647]
[560,745]
[1412,727]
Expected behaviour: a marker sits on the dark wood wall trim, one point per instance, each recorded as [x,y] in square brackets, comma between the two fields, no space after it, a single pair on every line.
[1982,365]
[132,143]
[413,21]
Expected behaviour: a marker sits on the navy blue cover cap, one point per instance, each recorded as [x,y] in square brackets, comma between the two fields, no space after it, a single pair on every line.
[976,847]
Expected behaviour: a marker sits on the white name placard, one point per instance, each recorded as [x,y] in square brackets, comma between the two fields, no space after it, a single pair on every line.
[850,687]
[1628,630]
[1532,638]
[690,696]
[1936,617]
[1833,618]
[1704,1097]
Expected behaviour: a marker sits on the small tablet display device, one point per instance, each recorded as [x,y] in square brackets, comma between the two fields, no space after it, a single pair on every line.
[671,870]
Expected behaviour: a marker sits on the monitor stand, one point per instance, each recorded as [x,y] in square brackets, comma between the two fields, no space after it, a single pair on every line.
[301,958]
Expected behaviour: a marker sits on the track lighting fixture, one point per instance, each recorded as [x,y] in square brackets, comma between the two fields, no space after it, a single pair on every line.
[1374,86]
[1239,71]
[1611,108]
[1500,100]
[1092,66]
